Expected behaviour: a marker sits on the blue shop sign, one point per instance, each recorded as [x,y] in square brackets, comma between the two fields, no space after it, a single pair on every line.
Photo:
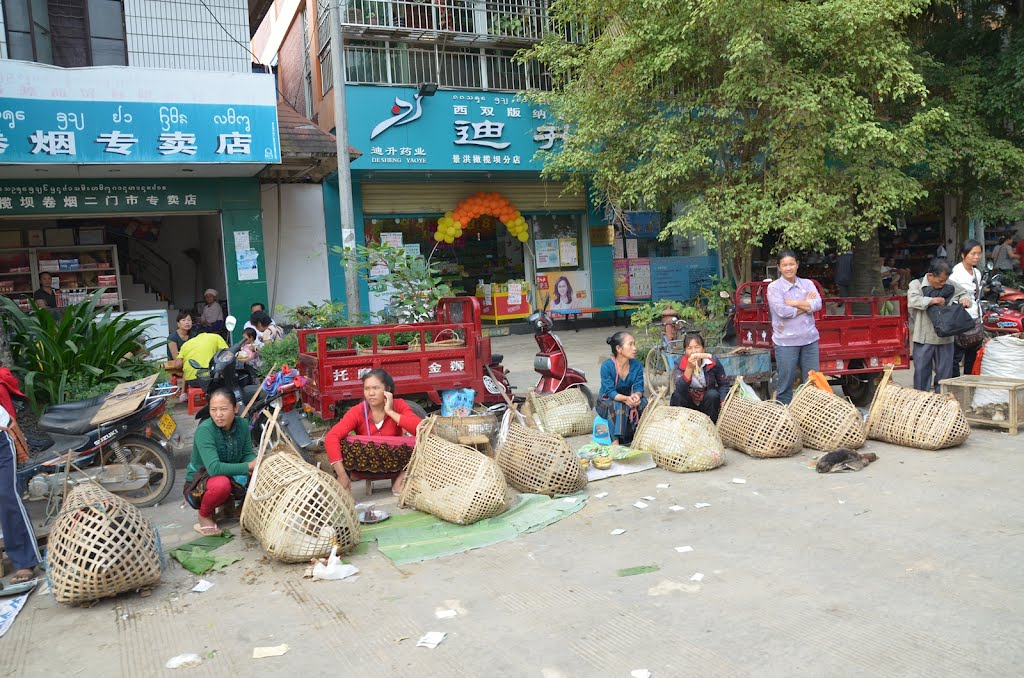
[122,115]
[452,130]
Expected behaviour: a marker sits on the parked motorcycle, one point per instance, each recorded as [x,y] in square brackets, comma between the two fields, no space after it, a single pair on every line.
[1001,318]
[551,361]
[994,290]
[127,456]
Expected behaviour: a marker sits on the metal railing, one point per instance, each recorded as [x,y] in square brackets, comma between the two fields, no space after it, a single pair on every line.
[497,20]
[391,63]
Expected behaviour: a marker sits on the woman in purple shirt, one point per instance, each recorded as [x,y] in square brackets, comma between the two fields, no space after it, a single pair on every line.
[793,302]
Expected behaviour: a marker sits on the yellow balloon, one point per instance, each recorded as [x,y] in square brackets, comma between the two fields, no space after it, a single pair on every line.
[523,237]
[448,215]
[457,224]
[438,236]
[449,239]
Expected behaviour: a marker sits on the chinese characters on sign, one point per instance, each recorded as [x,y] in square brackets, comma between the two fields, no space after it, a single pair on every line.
[452,130]
[40,197]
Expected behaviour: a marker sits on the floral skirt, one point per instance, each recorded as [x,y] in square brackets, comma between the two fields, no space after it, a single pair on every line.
[382,454]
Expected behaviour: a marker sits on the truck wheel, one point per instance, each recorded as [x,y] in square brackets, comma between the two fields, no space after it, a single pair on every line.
[860,388]
[416,409]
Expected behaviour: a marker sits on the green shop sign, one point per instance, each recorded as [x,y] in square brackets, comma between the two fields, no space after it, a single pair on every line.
[73,197]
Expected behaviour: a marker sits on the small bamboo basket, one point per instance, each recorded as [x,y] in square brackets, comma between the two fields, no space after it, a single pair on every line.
[912,418]
[679,439]
[477,424]
[540,463]
[566,413]
[453,482]
[100,546]
[298,512]
[827,422]
[759,429]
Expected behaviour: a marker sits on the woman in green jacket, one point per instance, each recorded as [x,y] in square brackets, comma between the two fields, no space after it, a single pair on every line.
[222,449]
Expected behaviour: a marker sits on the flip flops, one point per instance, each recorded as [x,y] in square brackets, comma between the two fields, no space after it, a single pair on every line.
[211,531]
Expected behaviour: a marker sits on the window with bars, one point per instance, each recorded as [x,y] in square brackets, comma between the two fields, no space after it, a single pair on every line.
[68,33]
[307,68]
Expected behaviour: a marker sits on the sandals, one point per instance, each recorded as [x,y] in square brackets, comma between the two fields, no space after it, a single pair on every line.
[208,531]
[23,578]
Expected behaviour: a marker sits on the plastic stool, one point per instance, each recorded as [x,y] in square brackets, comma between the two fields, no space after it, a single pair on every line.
[196,399]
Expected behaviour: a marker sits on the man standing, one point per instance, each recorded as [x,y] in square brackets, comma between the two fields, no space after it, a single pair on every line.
[933,355]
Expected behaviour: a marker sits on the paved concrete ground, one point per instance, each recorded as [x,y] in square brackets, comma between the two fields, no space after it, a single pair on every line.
[908,568]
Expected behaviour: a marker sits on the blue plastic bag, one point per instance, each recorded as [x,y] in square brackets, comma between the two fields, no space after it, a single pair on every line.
[457,402]
[602,431]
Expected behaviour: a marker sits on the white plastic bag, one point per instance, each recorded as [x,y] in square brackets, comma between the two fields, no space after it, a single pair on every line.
[1004,357]
[334,569]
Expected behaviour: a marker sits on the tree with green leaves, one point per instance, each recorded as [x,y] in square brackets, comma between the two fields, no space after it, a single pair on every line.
[756,117]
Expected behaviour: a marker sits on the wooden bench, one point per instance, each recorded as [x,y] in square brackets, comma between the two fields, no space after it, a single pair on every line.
[571,315]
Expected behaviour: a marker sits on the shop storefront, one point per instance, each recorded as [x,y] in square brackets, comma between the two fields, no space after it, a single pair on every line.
[455,177]
[106,176]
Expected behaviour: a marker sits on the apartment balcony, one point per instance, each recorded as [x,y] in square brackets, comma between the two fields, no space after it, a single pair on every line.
[500,23]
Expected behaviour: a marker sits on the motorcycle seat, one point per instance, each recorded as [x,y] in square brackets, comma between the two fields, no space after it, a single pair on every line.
[61,445]
[76,404]
[69,420]
[496,358]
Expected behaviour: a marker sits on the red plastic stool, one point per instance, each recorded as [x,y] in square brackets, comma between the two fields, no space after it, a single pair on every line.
[196,399]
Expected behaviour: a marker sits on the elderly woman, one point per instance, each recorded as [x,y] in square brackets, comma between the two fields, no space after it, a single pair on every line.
[380,415]
[622,388]
[211,315]
[222,459]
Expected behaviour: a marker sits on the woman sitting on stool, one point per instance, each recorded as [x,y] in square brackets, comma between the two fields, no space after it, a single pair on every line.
[222,451]
[622,388]
[701,382]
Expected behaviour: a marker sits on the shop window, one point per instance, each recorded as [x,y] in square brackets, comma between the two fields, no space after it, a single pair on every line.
[67,33]
[561,276]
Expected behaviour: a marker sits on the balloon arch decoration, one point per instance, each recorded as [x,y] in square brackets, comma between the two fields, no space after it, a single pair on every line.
[451,226]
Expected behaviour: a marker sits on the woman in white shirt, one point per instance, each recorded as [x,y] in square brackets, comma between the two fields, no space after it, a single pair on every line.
[966,275]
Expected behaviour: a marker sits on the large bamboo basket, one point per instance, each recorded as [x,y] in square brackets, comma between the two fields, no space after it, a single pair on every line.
[540,463]
[759,428]
[100,546]
[298,512]
[566,413]
[679,439]
[912,418]
[477,424]
[453,482]
[827,422]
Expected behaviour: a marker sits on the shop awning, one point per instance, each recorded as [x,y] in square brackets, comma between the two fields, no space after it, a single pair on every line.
[308,154]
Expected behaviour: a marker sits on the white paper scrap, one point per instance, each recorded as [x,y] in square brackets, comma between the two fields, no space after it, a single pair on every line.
[739,481]
[639,504]
[841,501]
[617,531]
[684,549]
[570,500]
[676,507]
[648,498]
[697,577]
[203,586]
[445,614]
[431,639]
[600,495]
[662,486]
[272,651]
[701,505]
[640,673]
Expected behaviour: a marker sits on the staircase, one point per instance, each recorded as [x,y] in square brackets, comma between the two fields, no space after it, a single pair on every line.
[139,297]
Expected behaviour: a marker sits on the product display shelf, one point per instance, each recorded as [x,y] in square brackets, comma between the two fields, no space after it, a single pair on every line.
[78,270]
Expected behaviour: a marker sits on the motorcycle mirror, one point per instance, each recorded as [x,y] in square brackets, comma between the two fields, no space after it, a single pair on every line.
[230,322]
[723,294]
[989,265]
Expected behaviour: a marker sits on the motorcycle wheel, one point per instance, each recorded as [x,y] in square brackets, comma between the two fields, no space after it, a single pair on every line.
[860,388]
[153,456]
[586,392]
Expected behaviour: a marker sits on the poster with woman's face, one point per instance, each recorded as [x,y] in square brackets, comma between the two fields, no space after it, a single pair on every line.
[569,290]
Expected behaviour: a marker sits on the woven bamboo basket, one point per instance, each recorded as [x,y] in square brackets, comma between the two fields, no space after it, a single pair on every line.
[679,439]
[566,413]
[827,422]
[453,482]
[912,418]
[540,463]
[760,429]
[298,512]
[100,546]
[478,424]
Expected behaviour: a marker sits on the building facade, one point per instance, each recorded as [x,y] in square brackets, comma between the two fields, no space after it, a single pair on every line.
[132,136]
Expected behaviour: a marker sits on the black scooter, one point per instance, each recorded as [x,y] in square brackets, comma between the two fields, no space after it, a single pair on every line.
[127,456]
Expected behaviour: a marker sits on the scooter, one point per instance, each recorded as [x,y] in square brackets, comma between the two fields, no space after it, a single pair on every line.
[994,290]
[550,361]
[1002,318]
[127,456]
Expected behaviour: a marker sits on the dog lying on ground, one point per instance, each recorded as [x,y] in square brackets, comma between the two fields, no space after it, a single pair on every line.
[842,460]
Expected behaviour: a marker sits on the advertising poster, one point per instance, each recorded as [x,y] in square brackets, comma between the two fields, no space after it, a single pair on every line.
[245,264]
[621,276]
[547,253]
[392,239]
[515,294]
[631,248]
[640,279]
[567,252]
[618,249]
[569,290]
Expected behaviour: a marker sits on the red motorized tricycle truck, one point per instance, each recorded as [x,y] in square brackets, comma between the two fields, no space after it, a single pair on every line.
[423,358]
[859,336]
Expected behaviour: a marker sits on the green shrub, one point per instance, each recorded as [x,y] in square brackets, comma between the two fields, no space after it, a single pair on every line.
[59,360]
[284,351]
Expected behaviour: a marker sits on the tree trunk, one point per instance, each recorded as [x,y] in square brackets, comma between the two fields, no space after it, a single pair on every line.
[6,360]
[867,274]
